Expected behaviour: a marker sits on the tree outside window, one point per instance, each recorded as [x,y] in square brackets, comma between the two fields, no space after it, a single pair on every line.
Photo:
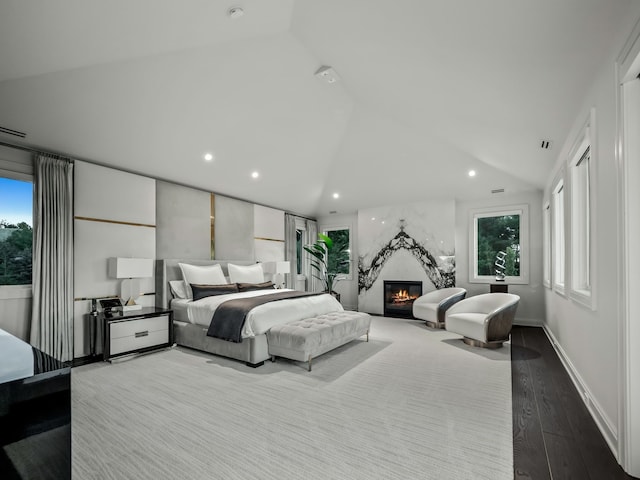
[15,253]
[495,235]
[339,262]
[499,245]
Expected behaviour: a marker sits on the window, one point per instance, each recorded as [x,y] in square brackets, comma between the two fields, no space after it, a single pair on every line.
[580,161]
[546,250]
[558,237]
[299,244]
[16,235]
[500,239]
[339,258]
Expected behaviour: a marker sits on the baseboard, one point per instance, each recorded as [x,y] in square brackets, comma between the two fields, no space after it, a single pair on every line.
[608,430]
[528,322]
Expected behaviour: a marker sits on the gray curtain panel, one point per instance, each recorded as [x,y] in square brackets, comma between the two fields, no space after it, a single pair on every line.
[52,315]
[290,248]
[313,284]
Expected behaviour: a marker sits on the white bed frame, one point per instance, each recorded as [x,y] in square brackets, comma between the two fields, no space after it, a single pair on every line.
[253,351]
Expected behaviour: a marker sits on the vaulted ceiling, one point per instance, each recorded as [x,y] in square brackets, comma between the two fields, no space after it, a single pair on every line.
[428,90]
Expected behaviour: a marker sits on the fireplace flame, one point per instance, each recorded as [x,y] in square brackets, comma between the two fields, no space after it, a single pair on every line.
[402,296]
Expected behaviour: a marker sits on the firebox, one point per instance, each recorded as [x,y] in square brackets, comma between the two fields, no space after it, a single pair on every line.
[399,296]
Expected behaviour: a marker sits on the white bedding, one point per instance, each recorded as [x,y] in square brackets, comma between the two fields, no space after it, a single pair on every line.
[263,317]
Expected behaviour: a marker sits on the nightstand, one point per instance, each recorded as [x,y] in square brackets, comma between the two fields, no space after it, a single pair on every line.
[137,331]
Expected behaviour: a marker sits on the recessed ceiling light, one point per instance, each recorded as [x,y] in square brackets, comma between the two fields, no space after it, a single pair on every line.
[208,157]
[336,195]
[255,175]
[373,219]
[472,173]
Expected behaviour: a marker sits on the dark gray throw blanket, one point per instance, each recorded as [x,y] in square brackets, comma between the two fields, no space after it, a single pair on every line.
[229,317]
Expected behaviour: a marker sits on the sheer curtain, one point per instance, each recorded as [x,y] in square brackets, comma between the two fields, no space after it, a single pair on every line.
[52,311]
[290,248]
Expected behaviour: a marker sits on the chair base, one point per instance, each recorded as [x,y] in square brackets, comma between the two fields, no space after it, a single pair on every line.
[434,324]
[478,343]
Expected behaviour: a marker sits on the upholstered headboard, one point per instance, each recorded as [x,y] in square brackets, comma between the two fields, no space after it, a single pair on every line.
[168,269]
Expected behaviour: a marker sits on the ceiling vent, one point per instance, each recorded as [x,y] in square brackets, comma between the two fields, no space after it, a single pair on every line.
[333,212]
[498,190]
[546,144]
[15,133]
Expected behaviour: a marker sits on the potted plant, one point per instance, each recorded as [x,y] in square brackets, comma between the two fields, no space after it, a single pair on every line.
[327,259]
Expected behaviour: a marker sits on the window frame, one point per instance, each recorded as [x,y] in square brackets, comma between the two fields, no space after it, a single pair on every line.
[558,237]
[523,211]
[580,163]
[546,247]
[333,228]
[20,290]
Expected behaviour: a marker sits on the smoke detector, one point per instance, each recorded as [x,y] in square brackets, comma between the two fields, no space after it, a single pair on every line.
[235,12]
[328,74]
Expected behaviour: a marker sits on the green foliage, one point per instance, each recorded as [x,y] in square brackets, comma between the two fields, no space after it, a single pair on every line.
[327,259]
[338,257]
[499,234]
[16,254]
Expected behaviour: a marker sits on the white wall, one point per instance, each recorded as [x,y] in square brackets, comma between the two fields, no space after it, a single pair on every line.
[531,307]
[588,339]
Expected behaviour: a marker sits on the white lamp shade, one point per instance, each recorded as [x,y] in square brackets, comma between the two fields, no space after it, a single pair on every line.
[283,267]
[130,267]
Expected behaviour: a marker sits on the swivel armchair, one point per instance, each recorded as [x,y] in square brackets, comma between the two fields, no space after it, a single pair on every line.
[484,320]
[432,306]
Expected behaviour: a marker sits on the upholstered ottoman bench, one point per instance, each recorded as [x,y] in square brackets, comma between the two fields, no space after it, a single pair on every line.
[306,339]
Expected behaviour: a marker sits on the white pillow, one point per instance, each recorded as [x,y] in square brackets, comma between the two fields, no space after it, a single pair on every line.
[178,288]
[202,275]
[248,274]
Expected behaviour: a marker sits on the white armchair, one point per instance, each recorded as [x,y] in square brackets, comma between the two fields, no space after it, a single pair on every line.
[432,306]
[484,320]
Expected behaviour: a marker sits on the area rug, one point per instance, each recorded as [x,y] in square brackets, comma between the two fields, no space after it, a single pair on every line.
[412,403]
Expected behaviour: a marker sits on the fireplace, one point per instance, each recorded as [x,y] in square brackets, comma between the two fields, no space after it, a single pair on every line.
[399,296]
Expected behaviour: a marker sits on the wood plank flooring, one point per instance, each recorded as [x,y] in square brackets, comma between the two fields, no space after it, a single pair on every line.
[554,436]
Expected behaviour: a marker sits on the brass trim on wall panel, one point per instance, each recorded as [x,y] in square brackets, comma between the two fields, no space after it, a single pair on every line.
[268,239]
[115,221]
[213,226]
[84,299]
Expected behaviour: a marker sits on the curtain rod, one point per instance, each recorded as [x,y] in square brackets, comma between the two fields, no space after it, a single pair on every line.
[48,152]
[25,148]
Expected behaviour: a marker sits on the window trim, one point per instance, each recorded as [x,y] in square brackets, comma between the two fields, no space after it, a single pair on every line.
[520,209]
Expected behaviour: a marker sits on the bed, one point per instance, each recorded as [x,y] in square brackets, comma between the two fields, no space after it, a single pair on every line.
[192,318]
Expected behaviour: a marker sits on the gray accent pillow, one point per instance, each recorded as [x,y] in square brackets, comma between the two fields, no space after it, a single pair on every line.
[202,291]
[247,287]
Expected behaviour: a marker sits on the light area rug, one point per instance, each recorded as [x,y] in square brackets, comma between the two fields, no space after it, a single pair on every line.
[412,403]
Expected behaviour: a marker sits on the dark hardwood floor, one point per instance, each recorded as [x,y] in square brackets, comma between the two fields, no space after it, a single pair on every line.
[554,436]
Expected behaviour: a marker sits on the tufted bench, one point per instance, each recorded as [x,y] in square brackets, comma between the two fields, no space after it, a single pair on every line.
[305,339]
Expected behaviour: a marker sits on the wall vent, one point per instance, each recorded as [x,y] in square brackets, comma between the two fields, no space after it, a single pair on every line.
[332,212]
[498,190]
[545,144]
[15,133]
